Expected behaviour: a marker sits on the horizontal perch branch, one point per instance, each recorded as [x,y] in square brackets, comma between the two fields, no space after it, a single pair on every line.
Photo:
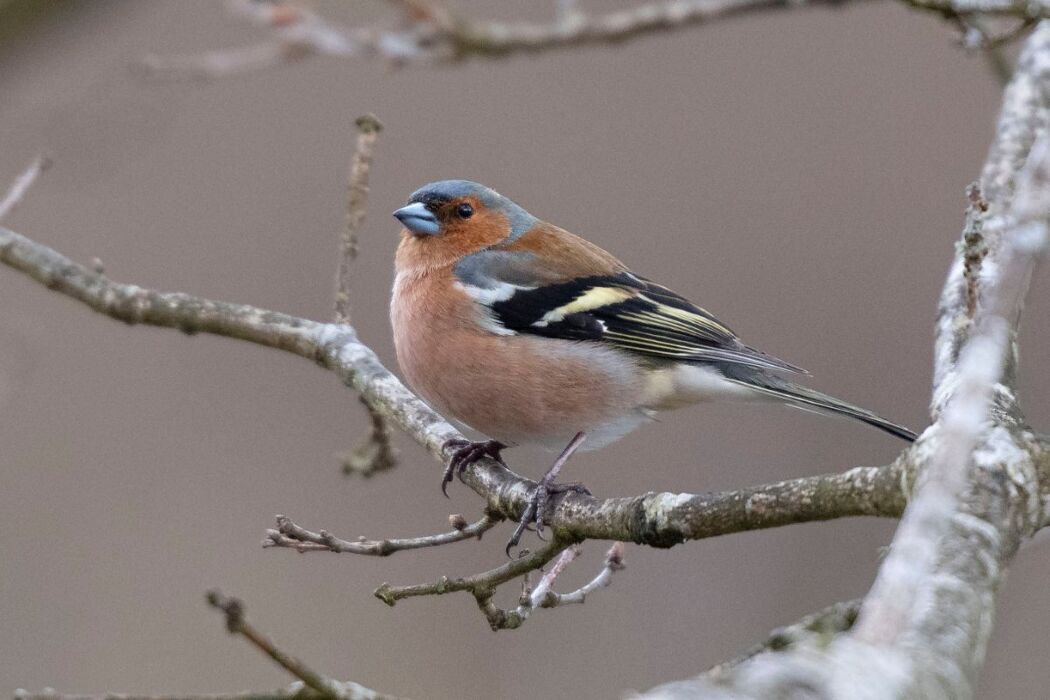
[658,519]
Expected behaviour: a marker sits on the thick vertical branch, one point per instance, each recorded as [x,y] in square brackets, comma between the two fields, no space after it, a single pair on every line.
[924,626]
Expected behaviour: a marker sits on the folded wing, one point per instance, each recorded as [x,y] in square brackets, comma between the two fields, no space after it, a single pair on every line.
[519,294]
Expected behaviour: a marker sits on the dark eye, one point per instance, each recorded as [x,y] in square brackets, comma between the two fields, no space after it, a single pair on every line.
[464,211]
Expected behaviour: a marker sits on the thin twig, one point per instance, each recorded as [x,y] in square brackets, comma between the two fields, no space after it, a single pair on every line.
[21,185]
[368,128]
[346,690]
[376,452]
[233,609]
[288,534]
[552,599]
[483,586]
[296,691]
[484,583]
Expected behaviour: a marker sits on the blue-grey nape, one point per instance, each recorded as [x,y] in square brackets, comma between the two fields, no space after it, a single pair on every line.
[448,190]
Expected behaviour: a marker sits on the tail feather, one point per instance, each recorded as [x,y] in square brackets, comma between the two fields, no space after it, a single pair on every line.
[805,398]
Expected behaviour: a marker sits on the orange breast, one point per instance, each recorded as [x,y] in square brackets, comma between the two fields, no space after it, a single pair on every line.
[512,388]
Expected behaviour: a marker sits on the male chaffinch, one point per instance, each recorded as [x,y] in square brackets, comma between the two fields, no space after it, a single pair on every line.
[530,334]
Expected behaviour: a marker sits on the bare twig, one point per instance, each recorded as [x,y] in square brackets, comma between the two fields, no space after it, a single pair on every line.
[21,185]
[544,597]
[292,536]
[233,609]
[483,586]
[295,691]
[310,686]
[368,128]
[376,453]
[484,583]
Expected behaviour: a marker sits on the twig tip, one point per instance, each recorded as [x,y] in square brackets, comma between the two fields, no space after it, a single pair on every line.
[368,123]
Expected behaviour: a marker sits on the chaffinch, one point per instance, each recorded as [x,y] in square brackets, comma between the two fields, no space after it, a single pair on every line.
[530,334]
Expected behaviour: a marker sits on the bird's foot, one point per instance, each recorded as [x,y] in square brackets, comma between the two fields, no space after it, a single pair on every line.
[537,506]
[466,453]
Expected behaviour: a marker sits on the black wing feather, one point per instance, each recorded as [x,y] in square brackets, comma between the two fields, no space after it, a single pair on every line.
[629,313]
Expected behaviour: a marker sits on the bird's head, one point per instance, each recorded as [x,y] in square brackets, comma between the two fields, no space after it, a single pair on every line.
[462,216]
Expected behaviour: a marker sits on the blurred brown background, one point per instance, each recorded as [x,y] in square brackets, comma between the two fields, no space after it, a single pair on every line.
[800,174]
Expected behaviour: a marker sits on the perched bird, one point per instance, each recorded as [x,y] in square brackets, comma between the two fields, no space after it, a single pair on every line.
[530,334]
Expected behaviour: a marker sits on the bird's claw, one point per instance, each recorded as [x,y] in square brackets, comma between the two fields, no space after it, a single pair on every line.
[533,514]
[466,453]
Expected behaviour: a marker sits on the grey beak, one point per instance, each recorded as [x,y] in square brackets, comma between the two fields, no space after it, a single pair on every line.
[418,219]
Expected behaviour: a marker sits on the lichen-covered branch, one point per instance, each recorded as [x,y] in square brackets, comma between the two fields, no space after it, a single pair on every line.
[928,521]
[822,625]
[982,472]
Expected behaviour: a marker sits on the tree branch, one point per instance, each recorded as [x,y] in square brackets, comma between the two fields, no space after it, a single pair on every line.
[431,32]
[233,609]
[295,691]
[290,535]
[982,471]
[658,519]
[310,686]
[376,453]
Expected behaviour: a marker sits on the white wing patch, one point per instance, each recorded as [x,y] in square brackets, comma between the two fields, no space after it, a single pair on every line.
[485,297]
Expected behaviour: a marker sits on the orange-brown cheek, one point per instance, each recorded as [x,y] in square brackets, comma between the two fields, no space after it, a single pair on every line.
[480,231]
[457,240]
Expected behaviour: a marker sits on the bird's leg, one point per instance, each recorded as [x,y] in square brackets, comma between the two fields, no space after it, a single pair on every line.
[467,452]
[542,493]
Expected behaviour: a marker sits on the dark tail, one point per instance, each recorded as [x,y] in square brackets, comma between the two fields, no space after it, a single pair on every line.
[805,398]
